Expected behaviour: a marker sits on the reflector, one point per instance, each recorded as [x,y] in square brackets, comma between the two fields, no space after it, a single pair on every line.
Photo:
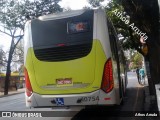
[28,84]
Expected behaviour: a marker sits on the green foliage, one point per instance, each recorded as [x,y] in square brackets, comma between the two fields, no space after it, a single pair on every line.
[13,12]
[119,25]
[95,3]
[136,60]
[2,58]
[129,39]
[18,55]
[41,7]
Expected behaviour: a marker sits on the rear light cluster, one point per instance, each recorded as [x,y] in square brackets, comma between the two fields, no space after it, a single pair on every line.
[107,81]
[29,90]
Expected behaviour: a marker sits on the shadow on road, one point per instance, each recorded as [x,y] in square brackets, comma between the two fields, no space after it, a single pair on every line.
[133,104]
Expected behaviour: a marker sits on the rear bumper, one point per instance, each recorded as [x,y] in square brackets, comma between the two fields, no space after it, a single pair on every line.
[94,98]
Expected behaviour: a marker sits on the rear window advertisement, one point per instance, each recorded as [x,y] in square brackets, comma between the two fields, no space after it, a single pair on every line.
[77,27]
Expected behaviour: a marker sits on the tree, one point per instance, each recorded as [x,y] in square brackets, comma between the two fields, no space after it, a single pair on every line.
[13,16]
[18,54]
[95,3]
[129,40]
[2,58]
[145,15]
[18,57]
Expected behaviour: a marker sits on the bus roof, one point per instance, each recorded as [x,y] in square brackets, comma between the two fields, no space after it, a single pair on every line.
[61,15]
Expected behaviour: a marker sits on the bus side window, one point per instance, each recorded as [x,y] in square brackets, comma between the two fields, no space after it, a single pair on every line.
[113,43]
[116,49]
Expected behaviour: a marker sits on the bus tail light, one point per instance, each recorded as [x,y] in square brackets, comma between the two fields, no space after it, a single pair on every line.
[107,80]
[29,90]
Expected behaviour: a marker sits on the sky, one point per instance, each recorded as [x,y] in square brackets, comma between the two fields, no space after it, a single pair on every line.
[5,41]
[73,4]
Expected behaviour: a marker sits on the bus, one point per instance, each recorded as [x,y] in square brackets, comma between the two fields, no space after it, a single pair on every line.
[73,58]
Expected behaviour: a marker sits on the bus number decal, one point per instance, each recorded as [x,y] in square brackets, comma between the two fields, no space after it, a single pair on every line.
[88,99]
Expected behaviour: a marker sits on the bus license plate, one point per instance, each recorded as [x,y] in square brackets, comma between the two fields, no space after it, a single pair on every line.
[64,82]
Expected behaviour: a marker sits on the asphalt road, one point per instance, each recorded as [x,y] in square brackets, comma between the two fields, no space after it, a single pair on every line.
[133,102]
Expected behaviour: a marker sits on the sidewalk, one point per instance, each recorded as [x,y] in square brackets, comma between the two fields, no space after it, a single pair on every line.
[20,90]
[150,103]
[158,95]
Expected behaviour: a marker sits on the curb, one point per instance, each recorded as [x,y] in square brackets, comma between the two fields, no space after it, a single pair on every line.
[158,95]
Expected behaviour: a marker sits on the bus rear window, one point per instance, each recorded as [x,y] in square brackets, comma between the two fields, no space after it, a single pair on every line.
[67,31]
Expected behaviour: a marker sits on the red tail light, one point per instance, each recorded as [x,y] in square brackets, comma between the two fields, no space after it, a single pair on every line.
[107,81]
[29,90]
